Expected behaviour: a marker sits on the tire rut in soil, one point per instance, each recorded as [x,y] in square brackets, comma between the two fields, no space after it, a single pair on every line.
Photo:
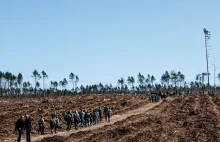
[120,129]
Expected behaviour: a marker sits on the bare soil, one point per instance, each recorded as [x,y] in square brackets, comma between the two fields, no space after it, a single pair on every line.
[11,109]
[183,118]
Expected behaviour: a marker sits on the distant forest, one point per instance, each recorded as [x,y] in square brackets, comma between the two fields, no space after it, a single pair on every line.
[171,83]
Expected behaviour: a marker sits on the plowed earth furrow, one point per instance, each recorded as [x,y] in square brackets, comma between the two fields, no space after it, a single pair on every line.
[109,131]
[12,109]
[182,119]
[115,119]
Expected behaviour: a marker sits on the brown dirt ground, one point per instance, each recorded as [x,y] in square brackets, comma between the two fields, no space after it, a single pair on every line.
[177,119]
[11,109]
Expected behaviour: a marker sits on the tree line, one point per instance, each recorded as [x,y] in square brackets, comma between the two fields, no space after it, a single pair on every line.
[13,85]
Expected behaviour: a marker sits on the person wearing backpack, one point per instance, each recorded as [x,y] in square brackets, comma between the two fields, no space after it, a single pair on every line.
[109,113]
[41,123]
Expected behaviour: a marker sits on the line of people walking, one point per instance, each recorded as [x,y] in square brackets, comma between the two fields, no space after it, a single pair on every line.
[154,98]
[83,118]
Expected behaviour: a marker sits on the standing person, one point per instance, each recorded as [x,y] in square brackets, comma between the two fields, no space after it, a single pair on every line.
[60,122]
[152,98]
[52,124]
[41,123]
[109,113]
[69,120]
[28,128]
[100,113]
[87,118]
[105,112]
[91,117]
[19,126]
[97,116]
[57,123]
[94,117]
[64,115]
[76,119]
[82,117]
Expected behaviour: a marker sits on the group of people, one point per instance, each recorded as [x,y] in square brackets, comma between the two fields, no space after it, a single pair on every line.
[83,118]
[154,98]
[24,124]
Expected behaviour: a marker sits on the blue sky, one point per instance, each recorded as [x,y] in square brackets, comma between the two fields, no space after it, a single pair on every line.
[101,41]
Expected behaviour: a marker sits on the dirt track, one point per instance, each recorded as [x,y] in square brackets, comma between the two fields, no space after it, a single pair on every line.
[182,118]
[12,109]
[114,119]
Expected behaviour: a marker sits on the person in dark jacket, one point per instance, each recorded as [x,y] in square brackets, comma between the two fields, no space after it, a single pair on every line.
[91,117]
[69,120]
[28,127]
[19,126]
[109,114]
[105,112]
[82,117]
[100,113]
[94,116]
[76,119]
[41,124]
[87,118]
[57,120]
[97,116]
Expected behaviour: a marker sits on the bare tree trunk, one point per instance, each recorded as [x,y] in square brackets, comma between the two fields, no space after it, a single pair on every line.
[43,88]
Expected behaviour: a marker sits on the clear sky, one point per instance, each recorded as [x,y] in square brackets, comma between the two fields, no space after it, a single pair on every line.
[102,40]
